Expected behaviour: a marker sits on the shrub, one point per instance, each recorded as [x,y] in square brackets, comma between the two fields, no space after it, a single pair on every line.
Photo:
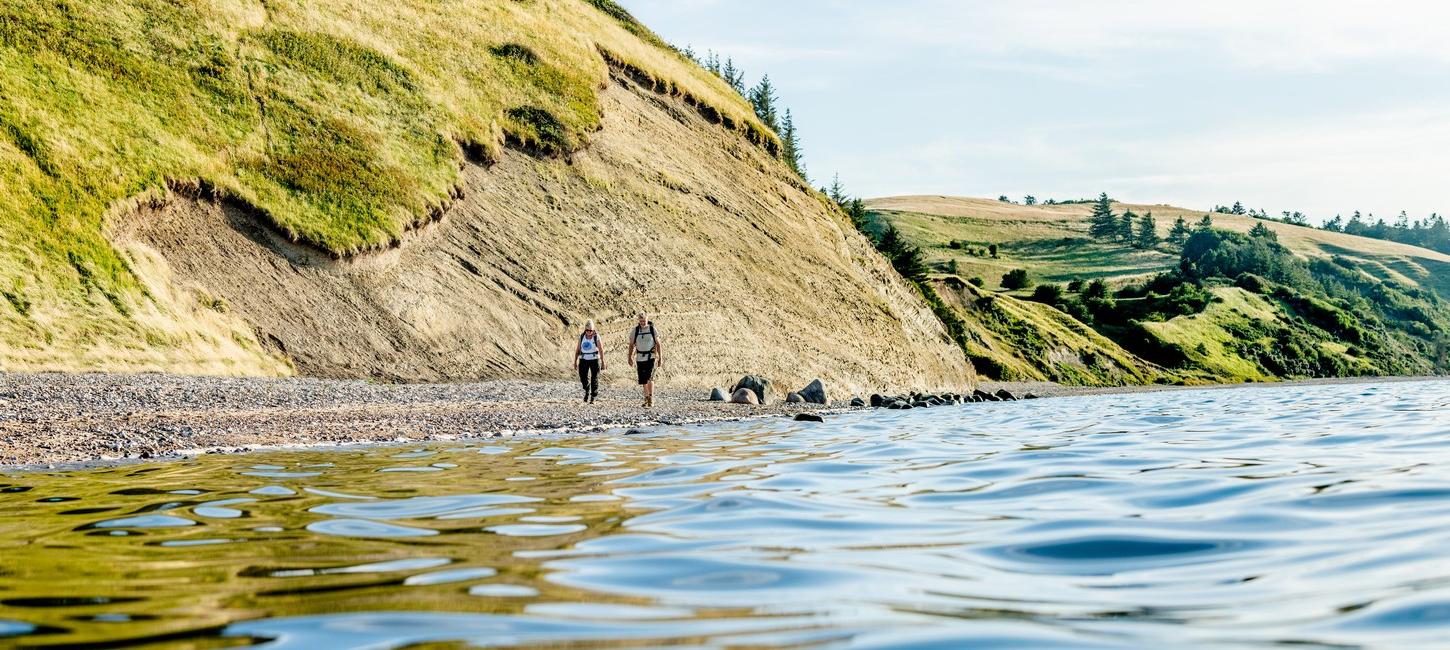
[1075,286]
[1048,294]
[1253,283]
[977,282]
[1016,279]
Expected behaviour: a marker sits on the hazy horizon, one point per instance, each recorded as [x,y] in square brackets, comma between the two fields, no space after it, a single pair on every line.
[1316,107]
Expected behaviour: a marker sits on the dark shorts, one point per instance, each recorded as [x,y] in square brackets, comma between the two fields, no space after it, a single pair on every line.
[646,370]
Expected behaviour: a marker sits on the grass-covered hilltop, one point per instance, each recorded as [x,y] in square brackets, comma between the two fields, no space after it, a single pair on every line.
[1097,292]
[414,190]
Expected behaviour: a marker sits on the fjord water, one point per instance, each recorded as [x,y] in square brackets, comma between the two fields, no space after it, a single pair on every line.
[1309,515]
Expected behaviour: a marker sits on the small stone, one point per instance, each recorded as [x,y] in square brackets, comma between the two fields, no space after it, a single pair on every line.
[744,396]
[717,395]
[794,398]
[808,417]
[857,402]
[814,392]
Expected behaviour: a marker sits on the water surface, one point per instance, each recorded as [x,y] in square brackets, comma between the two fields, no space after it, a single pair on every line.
[1260,517]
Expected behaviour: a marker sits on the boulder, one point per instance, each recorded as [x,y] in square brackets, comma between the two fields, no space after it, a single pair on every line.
[717,395]
[857,402]
[1006,396]
[985,396]
[814,392]
[877,400]
[1029,396]
[755,384]
[808,417]
[744,396]
[794,398]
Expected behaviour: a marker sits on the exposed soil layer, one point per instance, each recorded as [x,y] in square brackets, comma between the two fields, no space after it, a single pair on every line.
[742,269]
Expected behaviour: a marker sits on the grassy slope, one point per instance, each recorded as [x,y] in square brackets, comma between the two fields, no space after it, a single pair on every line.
[346,123]
[1019,340]
[1052,243]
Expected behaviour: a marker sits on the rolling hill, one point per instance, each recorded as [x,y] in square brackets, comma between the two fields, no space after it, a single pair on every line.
[427,191]
[1226,332]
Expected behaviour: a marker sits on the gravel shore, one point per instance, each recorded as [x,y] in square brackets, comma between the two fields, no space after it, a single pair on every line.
[68,418]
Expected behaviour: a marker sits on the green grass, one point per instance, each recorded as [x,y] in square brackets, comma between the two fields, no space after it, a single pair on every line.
[1056,253]
[1207,339]
[1016,340]
[345,123]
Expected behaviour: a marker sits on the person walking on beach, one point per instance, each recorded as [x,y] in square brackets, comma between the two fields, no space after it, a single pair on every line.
[646,355]
[589,361]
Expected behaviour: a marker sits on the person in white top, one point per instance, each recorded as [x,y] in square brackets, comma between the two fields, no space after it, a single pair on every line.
[646,354]
[589,361]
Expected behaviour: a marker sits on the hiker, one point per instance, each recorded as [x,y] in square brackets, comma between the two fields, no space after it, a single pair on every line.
[646,355]
[589,361]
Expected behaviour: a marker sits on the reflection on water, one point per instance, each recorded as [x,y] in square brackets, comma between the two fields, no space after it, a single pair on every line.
[1289,515]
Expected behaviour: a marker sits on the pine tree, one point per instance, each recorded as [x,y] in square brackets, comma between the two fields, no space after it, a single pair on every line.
[1335,225]
[1263,231]
[857,211]
[1029,200]
[1127,226]
[733,76]
[763,98]
[1205,224]
[837,192]
[1238,208]
[1178,235]
[1103,224]
[1148,232]
[790,145]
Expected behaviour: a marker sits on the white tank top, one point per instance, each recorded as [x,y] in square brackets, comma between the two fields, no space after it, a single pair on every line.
[589,347]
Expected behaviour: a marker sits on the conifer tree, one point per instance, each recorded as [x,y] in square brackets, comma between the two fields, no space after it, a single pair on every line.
[1147,236]
[734,76]
[1204,224]
[1103,224]
[1178,235]
[836,191]
[790,145]
[1263,231]
[1127,226]
[857,211]
[1238,208]
[763,98]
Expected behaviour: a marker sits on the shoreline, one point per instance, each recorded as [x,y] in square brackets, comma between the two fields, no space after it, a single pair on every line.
[51,421]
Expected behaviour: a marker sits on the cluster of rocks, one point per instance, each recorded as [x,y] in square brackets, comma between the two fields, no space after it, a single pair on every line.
[755,390]
[927,400]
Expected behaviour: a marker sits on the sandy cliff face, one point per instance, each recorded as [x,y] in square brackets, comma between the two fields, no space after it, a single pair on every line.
[742,268]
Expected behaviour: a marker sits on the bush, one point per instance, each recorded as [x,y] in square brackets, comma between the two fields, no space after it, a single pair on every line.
[1253,283]
[977,282]
[1048,294]
[1075,286]
[1095,290]
[1016,279]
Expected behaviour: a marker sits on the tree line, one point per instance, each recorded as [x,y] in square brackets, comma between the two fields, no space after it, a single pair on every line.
[763,99]
[1432,232]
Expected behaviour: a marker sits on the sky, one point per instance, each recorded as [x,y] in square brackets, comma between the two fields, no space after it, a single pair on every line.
[1322,107]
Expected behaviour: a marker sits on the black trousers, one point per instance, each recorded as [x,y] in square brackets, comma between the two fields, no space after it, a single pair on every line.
[589,375]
